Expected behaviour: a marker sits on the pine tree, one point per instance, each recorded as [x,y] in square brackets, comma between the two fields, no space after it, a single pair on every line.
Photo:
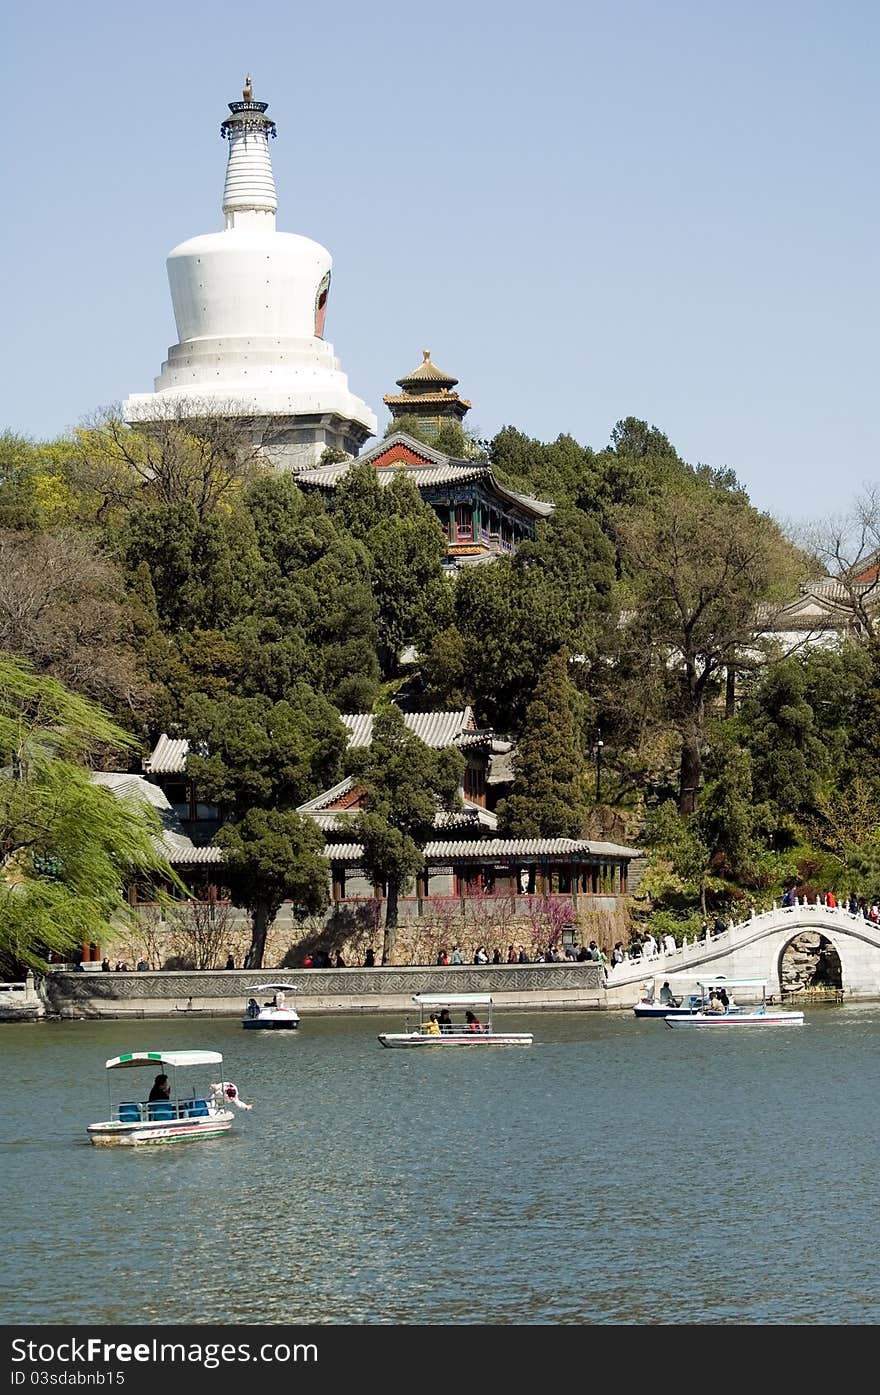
[548,798]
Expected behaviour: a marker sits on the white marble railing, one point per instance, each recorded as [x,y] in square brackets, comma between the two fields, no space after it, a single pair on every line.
[689,950]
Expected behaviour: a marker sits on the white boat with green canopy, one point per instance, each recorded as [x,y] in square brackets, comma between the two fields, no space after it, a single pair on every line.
[167,1115]
[454,1019]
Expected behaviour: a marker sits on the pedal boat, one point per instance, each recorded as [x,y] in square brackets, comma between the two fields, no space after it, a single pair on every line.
[175,1120]
[277,1014]
[460,1032]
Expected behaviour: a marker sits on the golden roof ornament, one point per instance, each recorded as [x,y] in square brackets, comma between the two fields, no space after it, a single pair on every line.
[247,91]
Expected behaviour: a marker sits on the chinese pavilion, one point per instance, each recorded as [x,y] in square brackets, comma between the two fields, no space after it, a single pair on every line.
[427,394]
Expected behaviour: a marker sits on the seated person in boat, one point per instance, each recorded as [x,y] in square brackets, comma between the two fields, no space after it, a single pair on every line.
[721,994]
[253,1008]
[667,997]
[432,1026]
[715,1003]
[445,1021]
[473,1022]
[161,1089]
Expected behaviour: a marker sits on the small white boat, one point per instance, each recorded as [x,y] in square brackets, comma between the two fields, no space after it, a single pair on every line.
[176,1119]
[275,1015]
[452,1019]
[714,1013]
[683,997]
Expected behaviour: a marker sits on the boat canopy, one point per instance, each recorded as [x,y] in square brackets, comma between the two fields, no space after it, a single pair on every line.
[274,988]
[165,1058]
[453,999]
[733,982]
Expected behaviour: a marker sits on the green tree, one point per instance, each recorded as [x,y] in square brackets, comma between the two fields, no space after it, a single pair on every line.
[205,571]
[258,760]
[405,783]
[549,798]
[271,857]
[515,614]
[789,757]
[67,846]
[699,562]
[316,582]
[263,754]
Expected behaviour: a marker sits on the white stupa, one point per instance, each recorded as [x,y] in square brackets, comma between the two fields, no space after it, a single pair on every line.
[250,304]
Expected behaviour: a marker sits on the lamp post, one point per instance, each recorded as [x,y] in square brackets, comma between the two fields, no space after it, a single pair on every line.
[599,744]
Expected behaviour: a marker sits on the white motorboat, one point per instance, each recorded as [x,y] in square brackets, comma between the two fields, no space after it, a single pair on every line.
[175,1119]
[712,1012]
[275,1014]
[437,1026]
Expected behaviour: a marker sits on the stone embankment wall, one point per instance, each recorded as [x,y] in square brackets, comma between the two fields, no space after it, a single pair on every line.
[223,993]
[164,944]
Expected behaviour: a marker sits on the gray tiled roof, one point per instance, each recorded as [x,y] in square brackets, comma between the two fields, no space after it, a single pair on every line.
[469,816]
[321,801]
[436,729]
[491,848]
[329,476]
[438,469]
[176,846]
[168,757]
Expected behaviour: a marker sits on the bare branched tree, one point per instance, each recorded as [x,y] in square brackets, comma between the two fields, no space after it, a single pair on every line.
[200,931]
[62,607]
[848,547]
[189,452]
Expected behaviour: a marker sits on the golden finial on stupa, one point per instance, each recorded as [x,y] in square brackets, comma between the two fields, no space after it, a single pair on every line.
[426,355]
[247,90]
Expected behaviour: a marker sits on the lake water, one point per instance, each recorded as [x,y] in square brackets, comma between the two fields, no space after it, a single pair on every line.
[615,1172]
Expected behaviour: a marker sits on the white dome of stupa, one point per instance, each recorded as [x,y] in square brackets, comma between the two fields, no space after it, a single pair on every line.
[249,305]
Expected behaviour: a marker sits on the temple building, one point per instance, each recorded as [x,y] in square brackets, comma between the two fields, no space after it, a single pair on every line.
[465,859]
[480,517]
[427,395]
[250,305]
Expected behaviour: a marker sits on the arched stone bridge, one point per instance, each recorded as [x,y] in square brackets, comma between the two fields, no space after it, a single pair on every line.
[754,948]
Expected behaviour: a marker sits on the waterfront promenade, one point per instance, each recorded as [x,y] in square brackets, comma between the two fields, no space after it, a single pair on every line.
[223,992]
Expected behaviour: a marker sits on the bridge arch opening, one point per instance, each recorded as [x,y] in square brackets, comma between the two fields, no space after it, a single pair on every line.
[809,961]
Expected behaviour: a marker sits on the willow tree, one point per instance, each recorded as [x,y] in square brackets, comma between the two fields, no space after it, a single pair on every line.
[67,845]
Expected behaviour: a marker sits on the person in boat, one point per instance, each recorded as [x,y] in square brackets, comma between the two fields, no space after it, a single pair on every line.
[161,1089]
[721,995]
[432,1026]
[715,1003]
[445,1021]
[667,997]
[473,1022]
[253,1007]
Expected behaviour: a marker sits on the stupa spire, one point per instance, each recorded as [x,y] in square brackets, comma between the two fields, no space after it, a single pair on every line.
[249,193]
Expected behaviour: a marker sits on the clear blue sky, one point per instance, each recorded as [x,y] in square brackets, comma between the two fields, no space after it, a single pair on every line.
[585,211]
